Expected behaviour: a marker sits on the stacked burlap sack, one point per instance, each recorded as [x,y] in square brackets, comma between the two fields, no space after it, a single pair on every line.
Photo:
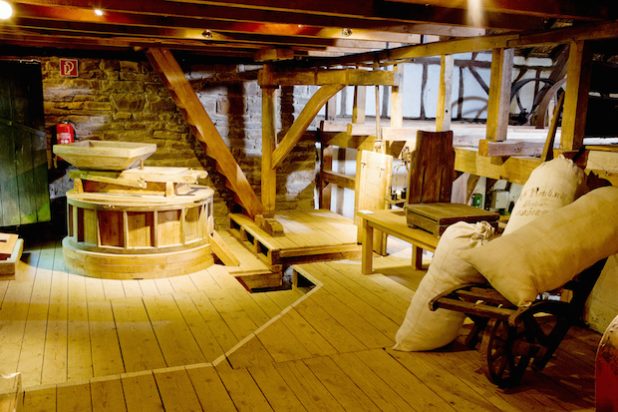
[539,250]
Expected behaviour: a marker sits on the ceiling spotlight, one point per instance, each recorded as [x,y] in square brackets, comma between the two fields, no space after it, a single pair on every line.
[6,10]
[207,34]
[346,31]
[98,12]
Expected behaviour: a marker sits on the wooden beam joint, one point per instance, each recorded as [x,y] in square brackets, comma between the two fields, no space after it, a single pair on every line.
[347,77]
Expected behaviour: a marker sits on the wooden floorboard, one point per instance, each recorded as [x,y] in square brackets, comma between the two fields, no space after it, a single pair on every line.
[347,393]
[211,392]
[105,345]
[107,394]
[140,349]
[54,368]
[384,397]
[279,395]
[176,391]
[141,392]
[307,387]
[173,335]
[243,390]
[73,397]
[202,342]
[42,399]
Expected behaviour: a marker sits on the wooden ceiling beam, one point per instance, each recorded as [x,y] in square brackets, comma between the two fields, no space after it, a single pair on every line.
[346,77]
[78,41]
[358,14]
[377,10]
[256,40]
[598,31]
[387,57]
[73,14]
[560,9]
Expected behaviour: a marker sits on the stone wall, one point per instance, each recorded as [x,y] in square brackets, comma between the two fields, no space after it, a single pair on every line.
[126,100]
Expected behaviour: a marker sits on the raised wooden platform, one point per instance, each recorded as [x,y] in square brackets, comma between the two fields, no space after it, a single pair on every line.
[313,235]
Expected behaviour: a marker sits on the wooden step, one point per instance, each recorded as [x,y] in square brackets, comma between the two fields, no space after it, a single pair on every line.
[252,272]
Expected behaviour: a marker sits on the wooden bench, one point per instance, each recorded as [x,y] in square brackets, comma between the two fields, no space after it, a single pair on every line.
[393,222]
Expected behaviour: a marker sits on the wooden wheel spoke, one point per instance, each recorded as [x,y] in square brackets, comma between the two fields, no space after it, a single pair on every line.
[501,365]
[503,349]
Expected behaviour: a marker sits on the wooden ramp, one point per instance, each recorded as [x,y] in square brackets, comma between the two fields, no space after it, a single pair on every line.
[312,235]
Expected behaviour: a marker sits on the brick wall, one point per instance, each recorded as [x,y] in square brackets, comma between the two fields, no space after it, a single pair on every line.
[126,100]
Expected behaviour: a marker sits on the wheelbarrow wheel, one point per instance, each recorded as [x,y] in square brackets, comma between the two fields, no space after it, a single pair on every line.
[506,353]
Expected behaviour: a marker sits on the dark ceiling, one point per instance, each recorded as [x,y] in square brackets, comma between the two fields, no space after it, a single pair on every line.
[262,30]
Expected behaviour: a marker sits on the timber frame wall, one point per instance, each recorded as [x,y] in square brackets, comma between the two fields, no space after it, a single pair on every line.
[495,157]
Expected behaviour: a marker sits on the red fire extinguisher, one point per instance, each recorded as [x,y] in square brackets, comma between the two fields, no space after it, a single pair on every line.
[65,132]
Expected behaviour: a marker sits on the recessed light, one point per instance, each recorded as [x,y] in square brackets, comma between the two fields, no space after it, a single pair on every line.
[6,10]
[98,12]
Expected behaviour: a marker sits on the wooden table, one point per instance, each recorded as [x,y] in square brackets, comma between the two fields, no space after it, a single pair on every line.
[393,222]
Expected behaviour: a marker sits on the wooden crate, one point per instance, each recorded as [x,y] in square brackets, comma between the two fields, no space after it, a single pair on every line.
[7,244]
[436,217]
[8,266]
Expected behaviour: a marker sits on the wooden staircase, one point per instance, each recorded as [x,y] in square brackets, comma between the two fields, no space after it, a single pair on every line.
[214,146]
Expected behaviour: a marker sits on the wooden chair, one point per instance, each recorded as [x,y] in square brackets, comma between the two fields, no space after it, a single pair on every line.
[514,336]
[430,182]
[432,168]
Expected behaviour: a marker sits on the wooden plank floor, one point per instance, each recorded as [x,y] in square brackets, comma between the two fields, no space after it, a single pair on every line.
[58,327]
[201,342]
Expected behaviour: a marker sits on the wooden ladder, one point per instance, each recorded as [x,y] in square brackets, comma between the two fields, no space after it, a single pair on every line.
[214,146]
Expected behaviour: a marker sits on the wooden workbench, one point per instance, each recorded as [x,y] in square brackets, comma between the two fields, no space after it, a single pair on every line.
[393,222]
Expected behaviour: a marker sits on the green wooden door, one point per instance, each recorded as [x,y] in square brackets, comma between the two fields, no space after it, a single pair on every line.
[24,192]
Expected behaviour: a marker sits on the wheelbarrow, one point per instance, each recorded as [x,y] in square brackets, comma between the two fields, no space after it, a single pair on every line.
[513,337]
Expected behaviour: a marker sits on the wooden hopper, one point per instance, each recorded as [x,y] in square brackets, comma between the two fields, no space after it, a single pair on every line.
[100,155]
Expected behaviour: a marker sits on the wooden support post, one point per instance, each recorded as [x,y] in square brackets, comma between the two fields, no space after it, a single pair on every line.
[498,103]
[372,187]
[396,102]
[331,108]
[417,257]
[548,147]
[576,98]
[327,188]
[379,145]
[367,256]
[269,173]
[443,109]
[360,100]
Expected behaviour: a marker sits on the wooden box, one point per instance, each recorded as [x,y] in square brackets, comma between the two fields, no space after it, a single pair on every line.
[436,217]
[7,244]
[8,264]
